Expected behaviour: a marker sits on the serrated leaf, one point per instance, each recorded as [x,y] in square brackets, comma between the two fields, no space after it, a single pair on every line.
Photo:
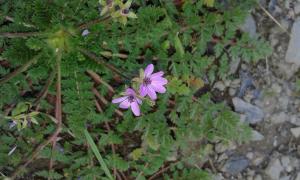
[209,3]
[152,142]
[136,154]
[178,45]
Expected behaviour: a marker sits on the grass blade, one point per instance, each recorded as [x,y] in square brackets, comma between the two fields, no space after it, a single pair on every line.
[97,154]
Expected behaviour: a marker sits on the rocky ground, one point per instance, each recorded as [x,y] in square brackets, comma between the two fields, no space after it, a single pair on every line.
[267,96]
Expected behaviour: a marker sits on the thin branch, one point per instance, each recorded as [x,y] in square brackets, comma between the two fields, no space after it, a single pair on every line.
[58,116]
[19,34]
[8,18]
[104,101]
[108,54]
[276,22]
[58,107]
[44,91]
[19,70]
[100,61]
[99,80]
[164,169]
[92,22]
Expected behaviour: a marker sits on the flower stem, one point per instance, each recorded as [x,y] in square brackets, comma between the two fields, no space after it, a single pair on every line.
[19,70]
[92,22]
[100,61]
[58,116]
[19,34]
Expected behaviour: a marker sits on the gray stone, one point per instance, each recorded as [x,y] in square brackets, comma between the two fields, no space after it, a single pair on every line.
[285,178]
[294,119]
[276,88]
[298,176]
[293,53]
[286,163]
[258,160]
[272,5]
[256,136]
[222,157]
[232,91]
[258,177]
[234,65]
[250,155]
[220,148]
[220,86]
[218,177]
[279,118]
[283,102]
[250,26]
[235,83]
[297,8]
[235,165]
[253,113]
[274,169]
[247,81]
[287,69]
[262,2]
[296,132]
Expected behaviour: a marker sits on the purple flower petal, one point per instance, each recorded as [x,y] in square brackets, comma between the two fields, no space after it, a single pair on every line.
[125,104]
[159,80]
[158,88]
[157,74]
[135,109]
[118,100]
[151,93]
[138,100]
[143,90]
[130,91]
[149,69]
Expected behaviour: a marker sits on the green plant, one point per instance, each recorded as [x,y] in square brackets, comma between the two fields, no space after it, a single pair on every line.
[47,62]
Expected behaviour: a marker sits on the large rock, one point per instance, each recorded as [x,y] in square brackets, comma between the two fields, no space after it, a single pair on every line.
[274,169]
[253,113]
[296,132]
[293,52]
[250,26]
[236,165]
[256,136]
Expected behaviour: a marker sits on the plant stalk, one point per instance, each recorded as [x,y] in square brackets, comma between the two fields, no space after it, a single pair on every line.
[58,116]
[101,62]
[19,34]
[19,70]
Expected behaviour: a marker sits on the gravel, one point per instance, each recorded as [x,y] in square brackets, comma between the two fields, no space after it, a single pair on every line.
[235,165]
[274,169]
[293,53]
[296,132]
[253,113]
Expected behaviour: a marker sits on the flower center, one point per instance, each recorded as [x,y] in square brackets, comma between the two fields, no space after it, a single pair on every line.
[109,3]
[147,81]
[131,98]
[125,11]
[117,7]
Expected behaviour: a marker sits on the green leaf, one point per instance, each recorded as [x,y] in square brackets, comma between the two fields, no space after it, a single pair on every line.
[178,45]
[97,154]
[209,3]
[137,154]
[21,108]
[152,142]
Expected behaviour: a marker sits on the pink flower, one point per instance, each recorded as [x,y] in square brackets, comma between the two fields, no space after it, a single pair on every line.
[129,100]
[152,83]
